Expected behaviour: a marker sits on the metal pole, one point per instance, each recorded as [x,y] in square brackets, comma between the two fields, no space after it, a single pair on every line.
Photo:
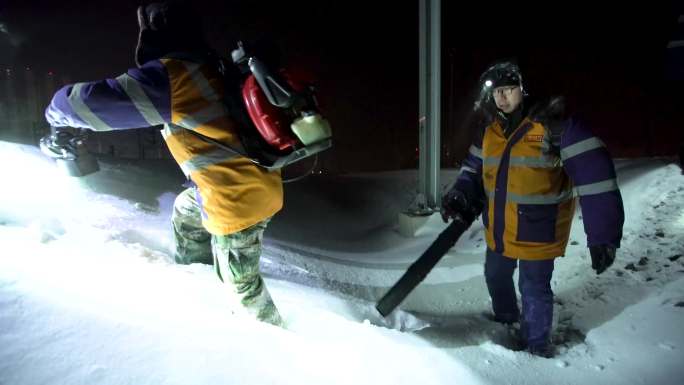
[423,99]
[429,101]
[435,150]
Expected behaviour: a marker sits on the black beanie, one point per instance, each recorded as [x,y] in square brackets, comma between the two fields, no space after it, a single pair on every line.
[165,27]
[506,79]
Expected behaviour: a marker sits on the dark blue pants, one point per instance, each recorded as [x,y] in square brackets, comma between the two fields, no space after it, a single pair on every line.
[535,289]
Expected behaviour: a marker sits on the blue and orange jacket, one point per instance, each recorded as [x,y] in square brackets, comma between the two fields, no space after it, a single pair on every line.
[182,92]
[529,183]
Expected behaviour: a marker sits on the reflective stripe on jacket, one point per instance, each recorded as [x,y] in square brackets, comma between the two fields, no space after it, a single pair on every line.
[529,186]
[182,93]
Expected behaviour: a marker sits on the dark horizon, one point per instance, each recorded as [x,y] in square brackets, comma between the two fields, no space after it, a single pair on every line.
[609,63]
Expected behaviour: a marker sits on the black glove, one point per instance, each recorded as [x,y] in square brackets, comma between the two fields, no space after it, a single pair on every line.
[602,256]
[455,203]
[60,144]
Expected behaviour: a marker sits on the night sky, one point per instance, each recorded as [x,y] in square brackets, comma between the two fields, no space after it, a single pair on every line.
[609,62]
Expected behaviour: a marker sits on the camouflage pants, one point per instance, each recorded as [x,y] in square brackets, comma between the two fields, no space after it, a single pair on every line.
[235,257]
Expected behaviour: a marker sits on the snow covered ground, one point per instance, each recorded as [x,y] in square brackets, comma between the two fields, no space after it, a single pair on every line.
[90,295]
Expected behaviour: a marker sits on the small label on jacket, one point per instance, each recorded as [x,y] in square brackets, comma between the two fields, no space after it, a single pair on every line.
[534,138]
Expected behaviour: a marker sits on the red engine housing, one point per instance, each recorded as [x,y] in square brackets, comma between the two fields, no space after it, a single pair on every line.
[272,122]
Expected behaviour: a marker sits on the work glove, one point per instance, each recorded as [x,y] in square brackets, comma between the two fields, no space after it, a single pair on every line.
[59,144]
[602,256]
[455,203]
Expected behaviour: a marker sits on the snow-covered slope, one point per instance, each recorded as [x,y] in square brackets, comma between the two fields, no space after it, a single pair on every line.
[89,293]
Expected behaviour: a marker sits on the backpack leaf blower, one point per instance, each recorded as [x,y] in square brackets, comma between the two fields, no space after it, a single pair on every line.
[277,112]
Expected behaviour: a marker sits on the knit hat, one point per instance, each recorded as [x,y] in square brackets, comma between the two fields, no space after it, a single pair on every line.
[165,27]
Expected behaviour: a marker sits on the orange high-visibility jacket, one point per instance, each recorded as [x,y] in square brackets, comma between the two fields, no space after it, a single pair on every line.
[529,186]
[183,93]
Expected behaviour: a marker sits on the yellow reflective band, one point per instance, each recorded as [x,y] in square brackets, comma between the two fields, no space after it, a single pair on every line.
[476,152]
[140,99]
[197,119]
[202,161]
[596,188]
[531,161]
[581,147]
[201,82]
[538,199]
[83,111]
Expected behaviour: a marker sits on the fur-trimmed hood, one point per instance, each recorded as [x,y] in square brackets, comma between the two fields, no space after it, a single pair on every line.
[547,110]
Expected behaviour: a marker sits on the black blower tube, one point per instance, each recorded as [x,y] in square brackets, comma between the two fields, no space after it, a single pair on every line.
[417,272]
